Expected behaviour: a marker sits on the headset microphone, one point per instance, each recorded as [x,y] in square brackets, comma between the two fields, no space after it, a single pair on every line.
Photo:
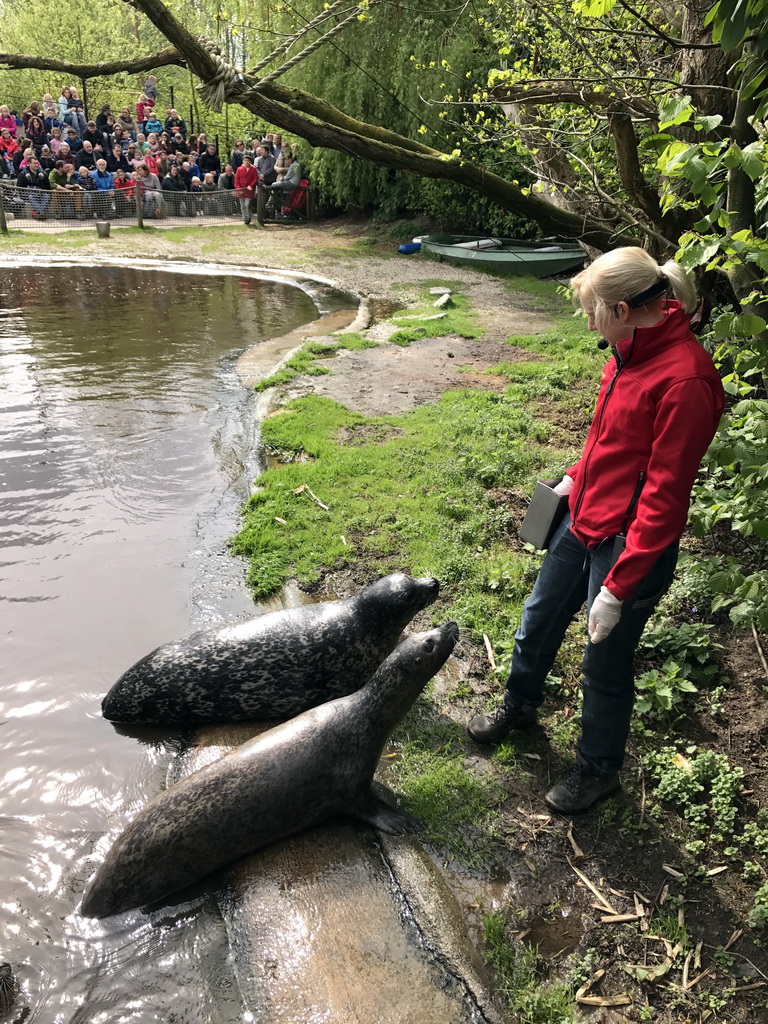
[602,344]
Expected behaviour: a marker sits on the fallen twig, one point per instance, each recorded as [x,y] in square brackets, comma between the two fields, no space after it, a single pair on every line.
[489,652]
[582,994]
[620,1000]
[578,853]
[619,918]
[313,496]
[699,977]
[748,988]
[606,905]
[760,651]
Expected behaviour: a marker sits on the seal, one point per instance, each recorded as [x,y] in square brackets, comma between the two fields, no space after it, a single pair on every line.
[9,987]
[284,781]
[273,666]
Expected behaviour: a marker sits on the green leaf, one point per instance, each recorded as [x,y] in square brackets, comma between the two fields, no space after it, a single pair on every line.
[752,160]
[747,325]
[708,122]
[593,8]
[675,110]
[724,325]
[697,254]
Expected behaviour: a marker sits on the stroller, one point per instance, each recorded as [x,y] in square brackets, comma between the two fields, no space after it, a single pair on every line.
[293,207]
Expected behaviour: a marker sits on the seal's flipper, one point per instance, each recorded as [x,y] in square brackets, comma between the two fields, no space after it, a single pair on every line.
[373,810]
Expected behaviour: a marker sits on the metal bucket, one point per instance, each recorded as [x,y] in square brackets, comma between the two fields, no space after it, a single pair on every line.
[102,228]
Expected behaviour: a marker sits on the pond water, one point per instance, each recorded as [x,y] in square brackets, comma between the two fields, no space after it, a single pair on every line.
[126,448]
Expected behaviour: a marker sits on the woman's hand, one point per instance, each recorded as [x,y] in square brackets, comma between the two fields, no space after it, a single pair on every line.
[603,615]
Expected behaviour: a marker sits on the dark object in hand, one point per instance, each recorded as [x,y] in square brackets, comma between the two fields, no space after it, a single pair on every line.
[545,513]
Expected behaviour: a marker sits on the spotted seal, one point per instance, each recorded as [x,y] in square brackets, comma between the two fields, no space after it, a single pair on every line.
[9,987]
[273,666]
[282,782]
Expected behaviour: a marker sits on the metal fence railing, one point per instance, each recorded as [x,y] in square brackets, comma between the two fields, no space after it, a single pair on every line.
[56,209]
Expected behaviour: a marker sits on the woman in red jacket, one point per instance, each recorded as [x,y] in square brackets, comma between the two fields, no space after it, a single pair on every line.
[246,180]
[659,405]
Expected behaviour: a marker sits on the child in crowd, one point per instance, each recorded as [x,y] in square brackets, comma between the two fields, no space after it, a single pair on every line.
[196,192]
[7,120]
[144,107]
[152,124]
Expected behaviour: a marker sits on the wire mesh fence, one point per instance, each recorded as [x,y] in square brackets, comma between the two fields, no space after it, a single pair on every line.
[72,205]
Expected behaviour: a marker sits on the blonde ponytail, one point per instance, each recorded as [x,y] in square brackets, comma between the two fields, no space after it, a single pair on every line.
[682,285]
[622,274]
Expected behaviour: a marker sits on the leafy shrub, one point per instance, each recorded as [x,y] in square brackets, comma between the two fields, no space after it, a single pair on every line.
[703,788]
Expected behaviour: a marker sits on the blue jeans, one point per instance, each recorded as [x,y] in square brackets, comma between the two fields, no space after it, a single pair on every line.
[38,200]
[570,575]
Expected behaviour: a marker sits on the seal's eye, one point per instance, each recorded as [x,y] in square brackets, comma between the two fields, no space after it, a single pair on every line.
[429,646]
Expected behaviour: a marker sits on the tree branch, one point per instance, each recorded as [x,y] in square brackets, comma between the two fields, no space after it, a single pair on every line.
[297,99]
[132,66]
[656,34]
[568,91]
[644,195]
[368,141]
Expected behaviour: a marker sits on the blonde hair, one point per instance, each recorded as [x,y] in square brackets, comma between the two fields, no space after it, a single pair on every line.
[623,274]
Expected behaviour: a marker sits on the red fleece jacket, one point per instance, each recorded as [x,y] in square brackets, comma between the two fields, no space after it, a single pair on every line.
[659,406]
[246,180]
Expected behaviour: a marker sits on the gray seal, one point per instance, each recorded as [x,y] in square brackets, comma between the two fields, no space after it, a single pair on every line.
[284,781]
[274,666]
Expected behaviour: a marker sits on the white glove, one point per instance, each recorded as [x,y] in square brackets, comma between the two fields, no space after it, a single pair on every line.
[603,615]
[565,486]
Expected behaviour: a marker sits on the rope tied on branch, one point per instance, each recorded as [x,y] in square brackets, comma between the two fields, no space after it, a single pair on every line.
[357,13]
[288,43]
[217,90]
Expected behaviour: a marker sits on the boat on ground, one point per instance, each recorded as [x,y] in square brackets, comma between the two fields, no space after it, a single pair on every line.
[505,255]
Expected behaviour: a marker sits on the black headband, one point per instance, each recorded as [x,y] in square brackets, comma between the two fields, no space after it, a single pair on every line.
[653,292]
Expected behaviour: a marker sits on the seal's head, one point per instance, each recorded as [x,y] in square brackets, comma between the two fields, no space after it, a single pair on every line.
[404,674]
[401,594]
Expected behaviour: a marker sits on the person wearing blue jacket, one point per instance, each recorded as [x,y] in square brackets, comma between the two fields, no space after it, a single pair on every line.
[152,125]
[104,180]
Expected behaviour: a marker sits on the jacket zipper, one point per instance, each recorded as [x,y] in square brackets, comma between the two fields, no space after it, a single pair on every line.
[634,499]
[619,367]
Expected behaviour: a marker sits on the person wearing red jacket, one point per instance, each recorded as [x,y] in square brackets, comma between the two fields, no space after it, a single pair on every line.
[246,180]
[658,408]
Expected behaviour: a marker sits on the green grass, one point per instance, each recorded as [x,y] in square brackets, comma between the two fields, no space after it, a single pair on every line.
[417,491]
[532,998]
[305,362]
[409,491]
[459,317]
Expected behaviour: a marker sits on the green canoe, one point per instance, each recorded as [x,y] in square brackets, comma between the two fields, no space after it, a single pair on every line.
[505,255]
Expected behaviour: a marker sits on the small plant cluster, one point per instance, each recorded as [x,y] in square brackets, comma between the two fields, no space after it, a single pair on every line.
[730,507]
[686,651]
[704,786]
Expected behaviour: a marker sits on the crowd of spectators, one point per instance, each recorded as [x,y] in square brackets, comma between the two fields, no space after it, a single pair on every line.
[59,161]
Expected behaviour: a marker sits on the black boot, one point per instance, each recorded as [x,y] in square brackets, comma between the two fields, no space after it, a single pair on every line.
[493,727]
[580,789]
